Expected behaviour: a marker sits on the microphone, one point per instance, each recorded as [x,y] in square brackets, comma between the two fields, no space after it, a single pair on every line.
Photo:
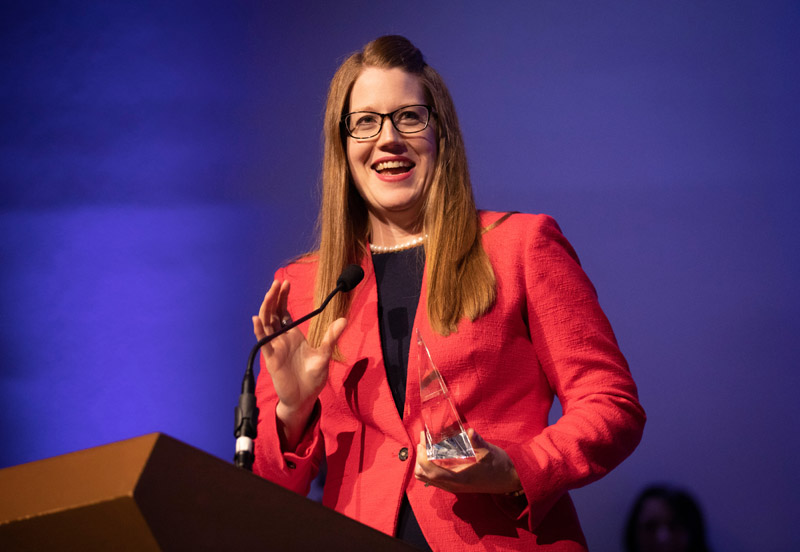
[246,412]
[350,277]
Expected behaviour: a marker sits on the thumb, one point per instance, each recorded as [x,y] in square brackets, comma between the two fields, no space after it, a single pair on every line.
[476,439]
[332,335]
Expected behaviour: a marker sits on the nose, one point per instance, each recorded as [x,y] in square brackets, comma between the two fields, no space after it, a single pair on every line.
[388,136]
[664,534]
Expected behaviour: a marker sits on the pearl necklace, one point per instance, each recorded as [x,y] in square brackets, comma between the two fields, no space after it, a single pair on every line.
[377,249]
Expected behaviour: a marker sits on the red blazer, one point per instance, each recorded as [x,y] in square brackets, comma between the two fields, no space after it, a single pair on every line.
[545,334]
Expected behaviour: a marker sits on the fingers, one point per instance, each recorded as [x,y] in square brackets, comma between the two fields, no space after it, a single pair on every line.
[424,470]
[258,329]
[268,320]
[267,313]
[483,475]
[269,298]
[422,452]
[419,470]
[274,307]
[283,298]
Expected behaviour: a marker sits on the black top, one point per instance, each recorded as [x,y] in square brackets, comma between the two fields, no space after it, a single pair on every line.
[399,279]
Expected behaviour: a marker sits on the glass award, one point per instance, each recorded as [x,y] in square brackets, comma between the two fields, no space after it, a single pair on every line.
[447,441]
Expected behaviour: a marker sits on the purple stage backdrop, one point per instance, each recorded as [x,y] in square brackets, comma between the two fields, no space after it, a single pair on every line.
[159,160]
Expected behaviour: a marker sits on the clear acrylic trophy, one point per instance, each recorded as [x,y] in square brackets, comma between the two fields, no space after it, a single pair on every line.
[447,440]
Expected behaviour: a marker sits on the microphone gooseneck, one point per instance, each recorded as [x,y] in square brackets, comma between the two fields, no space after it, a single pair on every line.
[246,411]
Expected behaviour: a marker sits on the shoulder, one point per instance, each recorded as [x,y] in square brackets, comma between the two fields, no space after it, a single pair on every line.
[300,272]
[515,226]
[514,220]
[523,237]
[530,251]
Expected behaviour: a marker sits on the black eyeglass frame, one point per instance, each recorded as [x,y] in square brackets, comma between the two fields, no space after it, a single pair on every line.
[431,113]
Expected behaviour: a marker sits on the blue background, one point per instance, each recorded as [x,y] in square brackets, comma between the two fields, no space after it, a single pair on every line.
[160,160]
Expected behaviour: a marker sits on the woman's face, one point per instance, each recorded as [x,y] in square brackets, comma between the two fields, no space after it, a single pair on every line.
[392,171]
[657,529]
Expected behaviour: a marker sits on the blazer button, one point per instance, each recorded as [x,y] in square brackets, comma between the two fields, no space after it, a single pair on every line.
[403,454]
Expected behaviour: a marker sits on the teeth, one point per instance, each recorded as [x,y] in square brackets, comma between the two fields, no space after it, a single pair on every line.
[382,166]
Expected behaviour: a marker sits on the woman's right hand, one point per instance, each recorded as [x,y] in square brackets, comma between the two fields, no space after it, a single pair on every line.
[298,371]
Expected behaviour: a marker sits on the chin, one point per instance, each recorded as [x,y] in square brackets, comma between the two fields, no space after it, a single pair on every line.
[399,205]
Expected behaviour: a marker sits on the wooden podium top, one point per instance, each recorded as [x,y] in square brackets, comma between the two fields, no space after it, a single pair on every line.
[156,493]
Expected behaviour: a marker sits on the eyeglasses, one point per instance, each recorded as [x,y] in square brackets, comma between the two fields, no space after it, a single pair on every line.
[406,120]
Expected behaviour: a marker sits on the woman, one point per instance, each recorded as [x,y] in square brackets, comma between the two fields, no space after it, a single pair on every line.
[502,303]
[664,519]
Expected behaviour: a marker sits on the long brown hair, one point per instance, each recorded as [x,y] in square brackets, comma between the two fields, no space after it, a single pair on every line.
[461,283]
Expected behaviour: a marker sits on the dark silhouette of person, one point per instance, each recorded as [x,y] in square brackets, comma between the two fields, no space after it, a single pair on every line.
[665,519]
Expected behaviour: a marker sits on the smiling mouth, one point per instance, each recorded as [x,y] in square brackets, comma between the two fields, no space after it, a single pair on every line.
[393,167]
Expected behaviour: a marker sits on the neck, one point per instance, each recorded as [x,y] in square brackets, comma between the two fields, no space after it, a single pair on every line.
[384,233]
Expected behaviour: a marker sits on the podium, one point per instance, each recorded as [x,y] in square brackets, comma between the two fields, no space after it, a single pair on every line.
[156,493]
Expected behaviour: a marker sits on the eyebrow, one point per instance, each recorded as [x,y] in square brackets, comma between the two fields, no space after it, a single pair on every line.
[373,110]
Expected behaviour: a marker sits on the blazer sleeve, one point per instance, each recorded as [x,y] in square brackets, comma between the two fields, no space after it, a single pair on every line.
[293,469]
[602,419]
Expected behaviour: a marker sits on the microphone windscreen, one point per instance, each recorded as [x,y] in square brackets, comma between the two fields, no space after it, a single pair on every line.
[350,277]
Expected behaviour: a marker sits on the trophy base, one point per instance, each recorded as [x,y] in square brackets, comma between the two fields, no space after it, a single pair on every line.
[454,450]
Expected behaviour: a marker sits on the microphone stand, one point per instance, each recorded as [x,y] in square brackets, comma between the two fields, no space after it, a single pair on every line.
[246,412]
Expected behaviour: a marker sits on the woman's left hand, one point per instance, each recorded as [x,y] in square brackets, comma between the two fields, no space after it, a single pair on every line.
[492,473]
